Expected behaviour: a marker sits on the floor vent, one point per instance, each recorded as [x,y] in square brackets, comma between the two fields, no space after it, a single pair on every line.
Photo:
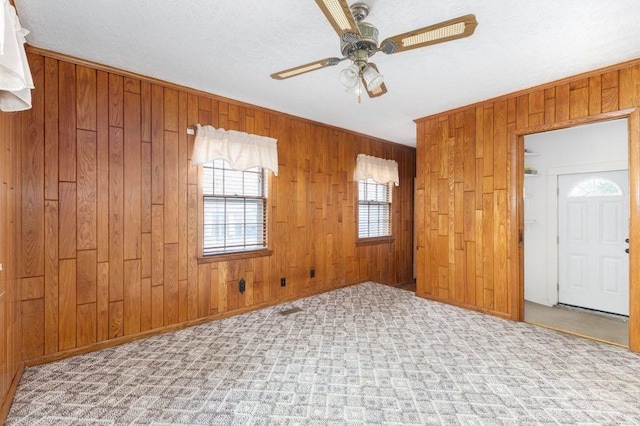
[290,311]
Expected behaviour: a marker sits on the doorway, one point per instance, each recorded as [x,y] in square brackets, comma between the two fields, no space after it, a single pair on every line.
[557,275]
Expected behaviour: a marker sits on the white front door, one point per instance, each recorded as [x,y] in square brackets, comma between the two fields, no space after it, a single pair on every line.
[593,224]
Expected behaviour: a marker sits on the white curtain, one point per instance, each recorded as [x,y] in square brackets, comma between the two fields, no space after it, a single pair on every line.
[242,150]
[380,170]
[15,76]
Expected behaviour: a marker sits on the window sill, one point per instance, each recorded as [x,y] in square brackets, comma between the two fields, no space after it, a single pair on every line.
[372,241]
[212,258]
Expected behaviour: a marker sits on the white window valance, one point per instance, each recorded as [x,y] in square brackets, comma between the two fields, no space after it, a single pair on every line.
[380,170]
[241,150]
[15,76]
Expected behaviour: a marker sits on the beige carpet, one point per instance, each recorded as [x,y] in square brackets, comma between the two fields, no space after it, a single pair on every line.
[365,355]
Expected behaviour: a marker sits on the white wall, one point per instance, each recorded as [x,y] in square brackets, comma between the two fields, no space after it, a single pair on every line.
[582,149]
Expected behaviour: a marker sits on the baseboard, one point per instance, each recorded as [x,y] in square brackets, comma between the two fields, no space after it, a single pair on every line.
[465,306]
[56,356]
[11,393]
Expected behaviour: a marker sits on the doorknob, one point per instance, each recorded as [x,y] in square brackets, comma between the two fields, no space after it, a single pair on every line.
[626,250]
[626,241]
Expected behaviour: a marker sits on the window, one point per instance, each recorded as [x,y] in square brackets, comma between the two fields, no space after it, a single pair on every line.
[596,187]
[374,209]
[235,208]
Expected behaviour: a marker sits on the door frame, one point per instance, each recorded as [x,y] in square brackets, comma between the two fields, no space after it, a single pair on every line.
[516,145]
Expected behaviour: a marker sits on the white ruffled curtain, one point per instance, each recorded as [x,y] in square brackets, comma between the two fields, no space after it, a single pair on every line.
[380,170]
[15,76]
[241,150]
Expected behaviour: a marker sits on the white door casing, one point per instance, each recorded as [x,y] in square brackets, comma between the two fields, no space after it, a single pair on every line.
[593,223]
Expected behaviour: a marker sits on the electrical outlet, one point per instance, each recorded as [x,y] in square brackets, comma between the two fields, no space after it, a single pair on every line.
[283,282]
[242,285]
[312,273]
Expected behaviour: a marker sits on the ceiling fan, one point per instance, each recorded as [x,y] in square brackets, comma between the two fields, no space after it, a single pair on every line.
[359,41]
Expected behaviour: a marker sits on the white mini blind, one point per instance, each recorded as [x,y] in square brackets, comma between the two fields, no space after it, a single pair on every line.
[234,208]
[380,170]
[15,76]
[241,150]
[374,209]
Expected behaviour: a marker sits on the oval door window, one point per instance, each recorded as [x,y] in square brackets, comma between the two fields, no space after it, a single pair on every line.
[596,187]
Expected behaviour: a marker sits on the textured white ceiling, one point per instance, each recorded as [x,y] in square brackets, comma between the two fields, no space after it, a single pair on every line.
[230,48]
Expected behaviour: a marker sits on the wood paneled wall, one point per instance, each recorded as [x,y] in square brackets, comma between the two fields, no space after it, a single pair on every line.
[10,342]
[469,175]
[110,209]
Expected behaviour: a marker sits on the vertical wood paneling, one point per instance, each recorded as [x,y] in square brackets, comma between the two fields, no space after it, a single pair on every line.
[51,129]
[171,187]
[67,121]
[157,245]
[116,222]
[67,220]
[51,277]
[157,144]
[32,186]
[86,191]
[132,177]
[102,296]
[32,320]
[86,277]
[67,305]
[87,324]
[131,296]
[116,101]
[488,251]
[171,298]
[102,173]
[116,319]
[118,234]
[86,98]
[12,331]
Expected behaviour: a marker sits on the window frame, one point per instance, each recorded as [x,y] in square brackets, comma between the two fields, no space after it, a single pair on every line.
[238,254]
[362,241]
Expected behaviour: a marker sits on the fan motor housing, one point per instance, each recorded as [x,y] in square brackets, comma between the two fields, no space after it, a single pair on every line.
[368,40]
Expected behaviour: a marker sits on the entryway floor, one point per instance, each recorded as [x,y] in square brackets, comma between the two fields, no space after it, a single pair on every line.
[608,328]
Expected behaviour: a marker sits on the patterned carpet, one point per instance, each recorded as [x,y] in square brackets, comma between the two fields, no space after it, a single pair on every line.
[367,354]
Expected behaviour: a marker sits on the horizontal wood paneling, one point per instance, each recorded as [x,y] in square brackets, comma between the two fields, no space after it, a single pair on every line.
[117,242]
[488,132]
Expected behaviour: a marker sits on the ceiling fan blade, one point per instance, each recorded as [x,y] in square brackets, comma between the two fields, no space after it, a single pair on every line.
[378,91]
[339,16]
[301,69]
[453,29]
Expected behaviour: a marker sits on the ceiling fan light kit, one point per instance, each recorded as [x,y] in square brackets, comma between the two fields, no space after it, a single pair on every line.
[372,78]
[349,76]
[359,41]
